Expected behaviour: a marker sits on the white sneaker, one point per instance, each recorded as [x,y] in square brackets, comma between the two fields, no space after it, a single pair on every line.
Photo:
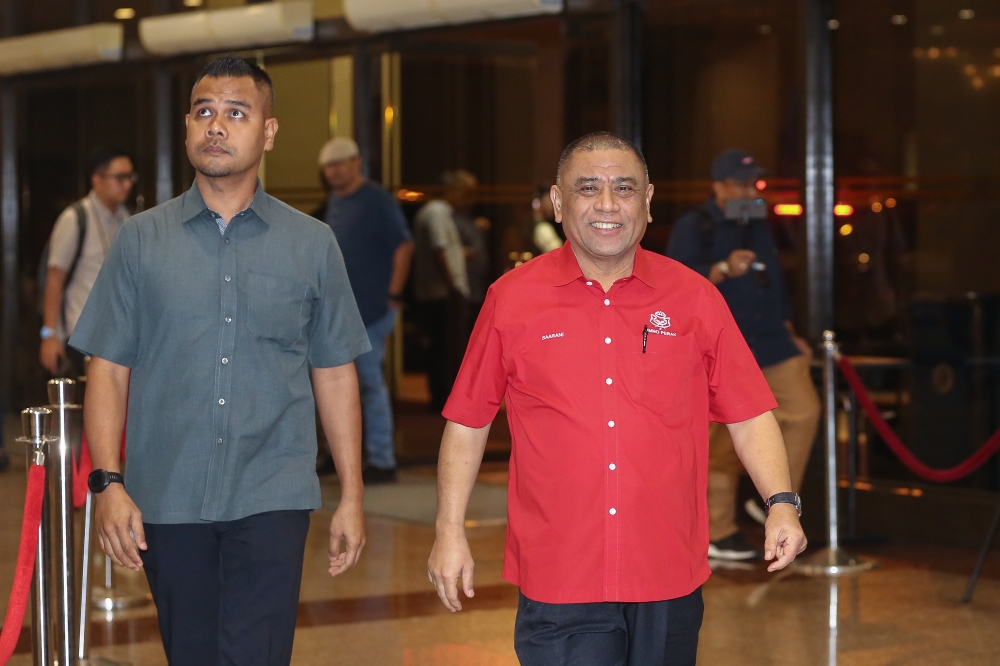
[755,511]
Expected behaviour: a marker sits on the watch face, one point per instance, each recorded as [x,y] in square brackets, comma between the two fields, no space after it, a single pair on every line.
[97,481]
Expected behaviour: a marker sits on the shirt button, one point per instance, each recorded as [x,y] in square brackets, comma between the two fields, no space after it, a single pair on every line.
[612,511]
[611,424]
[611,466]
[608,381]
[227,278]
[229,320]
[607,302]
[218,441]
[225,360]
[590,284]
[222,401]
[607,341]
[227,241]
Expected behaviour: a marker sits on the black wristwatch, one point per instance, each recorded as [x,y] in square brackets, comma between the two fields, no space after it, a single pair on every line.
[100,479]
[784,498]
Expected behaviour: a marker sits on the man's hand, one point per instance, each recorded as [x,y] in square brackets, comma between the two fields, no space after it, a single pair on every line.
[50,354]
[451,561]
[119,526]
[739,262]
[347,537]
[783,536]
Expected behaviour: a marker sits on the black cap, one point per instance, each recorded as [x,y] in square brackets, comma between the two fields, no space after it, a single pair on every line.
[738,165]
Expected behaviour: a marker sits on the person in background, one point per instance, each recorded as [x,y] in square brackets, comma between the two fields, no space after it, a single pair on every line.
[79,243]
[473,230]
[741,259]
[441,286]
[543,232]
[377,247]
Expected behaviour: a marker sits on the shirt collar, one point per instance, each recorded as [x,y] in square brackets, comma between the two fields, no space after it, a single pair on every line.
[194,204]
[567,268]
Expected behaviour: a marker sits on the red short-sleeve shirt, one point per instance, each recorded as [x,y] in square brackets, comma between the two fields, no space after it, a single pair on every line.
[609,397]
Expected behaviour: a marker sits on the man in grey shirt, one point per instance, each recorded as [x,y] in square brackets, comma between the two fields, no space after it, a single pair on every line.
[211,314]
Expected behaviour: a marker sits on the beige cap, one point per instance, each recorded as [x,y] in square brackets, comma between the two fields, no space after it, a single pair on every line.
[337,150]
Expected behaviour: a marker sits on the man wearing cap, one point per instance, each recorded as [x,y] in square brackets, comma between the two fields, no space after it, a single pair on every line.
[377,246]
[740,257]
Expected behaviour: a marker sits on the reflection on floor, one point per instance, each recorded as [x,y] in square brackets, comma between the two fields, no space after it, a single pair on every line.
[384,612]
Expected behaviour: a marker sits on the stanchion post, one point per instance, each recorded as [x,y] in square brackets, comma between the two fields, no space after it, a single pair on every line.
[83,617]
[832,560]
[36,423]
[67,424]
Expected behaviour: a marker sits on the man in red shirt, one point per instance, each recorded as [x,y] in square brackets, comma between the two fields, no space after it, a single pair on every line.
[612,361]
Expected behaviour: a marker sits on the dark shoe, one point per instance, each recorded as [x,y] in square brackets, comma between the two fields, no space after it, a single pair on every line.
[325,466]
[4,460]
[733,548]
[376,475]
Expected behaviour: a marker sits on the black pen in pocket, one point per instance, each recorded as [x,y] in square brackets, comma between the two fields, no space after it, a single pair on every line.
[645,334]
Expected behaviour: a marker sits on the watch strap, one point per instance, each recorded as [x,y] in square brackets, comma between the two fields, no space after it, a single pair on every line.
[784,498]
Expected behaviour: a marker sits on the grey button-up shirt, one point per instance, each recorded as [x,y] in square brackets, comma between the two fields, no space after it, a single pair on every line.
[220,332]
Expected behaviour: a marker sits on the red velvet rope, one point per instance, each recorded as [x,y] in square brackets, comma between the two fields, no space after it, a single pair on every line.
[974,462]
[14,620]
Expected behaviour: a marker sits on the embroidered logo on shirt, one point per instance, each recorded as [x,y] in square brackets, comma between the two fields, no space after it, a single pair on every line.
[659,319]
[560,334]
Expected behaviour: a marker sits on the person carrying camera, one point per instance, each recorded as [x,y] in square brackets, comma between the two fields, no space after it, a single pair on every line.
[728,240]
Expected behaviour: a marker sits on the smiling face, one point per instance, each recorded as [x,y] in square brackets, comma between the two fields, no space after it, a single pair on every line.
[602,200]
[229,126]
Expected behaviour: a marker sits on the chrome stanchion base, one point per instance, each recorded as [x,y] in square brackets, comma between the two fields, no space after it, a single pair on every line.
[118,595]
[829,562]
[101,661]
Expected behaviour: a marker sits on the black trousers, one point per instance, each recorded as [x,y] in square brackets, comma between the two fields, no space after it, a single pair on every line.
[445,328]
[227,593]
[609,634]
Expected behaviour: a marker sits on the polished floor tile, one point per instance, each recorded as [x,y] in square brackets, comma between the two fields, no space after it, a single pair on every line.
[384,612]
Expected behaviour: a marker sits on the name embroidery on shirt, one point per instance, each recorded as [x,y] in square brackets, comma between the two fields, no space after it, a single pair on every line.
[560,334]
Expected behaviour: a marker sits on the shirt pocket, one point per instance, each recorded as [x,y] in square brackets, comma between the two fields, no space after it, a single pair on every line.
[277,308]
[662,375]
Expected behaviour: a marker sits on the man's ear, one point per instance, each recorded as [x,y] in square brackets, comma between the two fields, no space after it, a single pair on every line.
[555,194]
[270,129]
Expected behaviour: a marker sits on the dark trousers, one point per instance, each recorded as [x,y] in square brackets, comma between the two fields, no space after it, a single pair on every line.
[227,593]
[609,634]
[444,322]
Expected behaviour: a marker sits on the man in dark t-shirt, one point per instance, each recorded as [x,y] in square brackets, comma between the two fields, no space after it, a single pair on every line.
[377,246]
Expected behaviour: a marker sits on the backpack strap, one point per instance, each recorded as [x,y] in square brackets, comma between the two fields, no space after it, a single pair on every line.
[81,224]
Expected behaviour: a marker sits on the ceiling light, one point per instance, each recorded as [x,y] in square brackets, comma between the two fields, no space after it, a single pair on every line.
[977,82]
[967,14]
[899,19]
[833,24]
[193,3]
[843,210]
[124,13]
[933,53]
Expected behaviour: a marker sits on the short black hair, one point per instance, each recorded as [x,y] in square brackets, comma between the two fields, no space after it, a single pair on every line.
[101,159]
[231,66]
[600,141]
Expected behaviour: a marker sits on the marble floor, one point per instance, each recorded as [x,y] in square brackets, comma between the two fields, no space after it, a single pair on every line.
[906,612]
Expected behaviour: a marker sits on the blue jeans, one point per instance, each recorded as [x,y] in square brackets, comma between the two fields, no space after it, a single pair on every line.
[376,407]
